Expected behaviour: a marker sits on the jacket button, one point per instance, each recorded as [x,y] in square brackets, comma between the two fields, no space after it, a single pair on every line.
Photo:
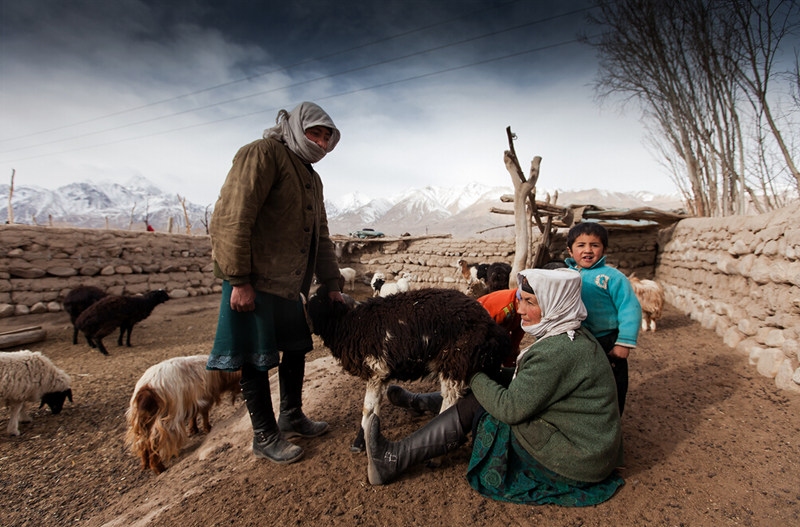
[303,250]
[308,186]
[297,273]
[306,229]
[309,207]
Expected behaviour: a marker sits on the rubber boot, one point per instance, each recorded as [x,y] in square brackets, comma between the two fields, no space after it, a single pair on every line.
[416,403]
[387,459]
[268,443]
[292,422]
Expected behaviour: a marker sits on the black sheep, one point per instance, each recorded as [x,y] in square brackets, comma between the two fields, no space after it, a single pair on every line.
[408,336]
[497,276]
[78,300]
[102,317]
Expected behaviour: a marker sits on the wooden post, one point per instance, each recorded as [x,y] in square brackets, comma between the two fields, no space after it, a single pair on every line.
[11,193]
[185,214]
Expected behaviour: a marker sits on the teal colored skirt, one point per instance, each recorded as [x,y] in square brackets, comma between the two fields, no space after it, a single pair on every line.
[256,337]
[501,469]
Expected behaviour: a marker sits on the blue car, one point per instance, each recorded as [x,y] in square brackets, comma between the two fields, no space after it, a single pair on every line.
[366,233]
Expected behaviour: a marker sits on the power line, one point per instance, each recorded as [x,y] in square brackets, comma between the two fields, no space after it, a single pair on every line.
[258,75]
[301,83]
[341,94]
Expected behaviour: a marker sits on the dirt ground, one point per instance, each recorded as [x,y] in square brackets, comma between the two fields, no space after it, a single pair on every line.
[707,440]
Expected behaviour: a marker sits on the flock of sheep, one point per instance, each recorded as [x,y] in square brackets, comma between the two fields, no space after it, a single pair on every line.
[399,334]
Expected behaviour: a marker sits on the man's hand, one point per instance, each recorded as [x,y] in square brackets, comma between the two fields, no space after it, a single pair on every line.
[243,298]
[620,352]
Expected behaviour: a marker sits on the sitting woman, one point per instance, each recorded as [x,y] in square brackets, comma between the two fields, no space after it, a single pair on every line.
[551,433]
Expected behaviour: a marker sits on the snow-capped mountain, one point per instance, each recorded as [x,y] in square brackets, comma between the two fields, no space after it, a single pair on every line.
[460,211]
[88,204]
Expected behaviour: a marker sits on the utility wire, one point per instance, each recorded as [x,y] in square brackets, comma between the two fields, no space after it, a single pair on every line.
[341,94]
[298,84]
[258,75]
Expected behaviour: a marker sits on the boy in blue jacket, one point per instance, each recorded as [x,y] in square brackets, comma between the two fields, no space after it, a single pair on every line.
[614,313]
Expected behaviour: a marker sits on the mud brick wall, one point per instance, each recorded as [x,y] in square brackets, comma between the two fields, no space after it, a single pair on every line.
[740,276]
[40,265]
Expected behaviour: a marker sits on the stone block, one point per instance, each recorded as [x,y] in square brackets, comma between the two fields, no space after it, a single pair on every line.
[769,360]
[178,293]
[61,271]
[732,337]
[784,378]
[6,310]
[21,309]
[25,272]
[38,308]
[107,270]
[89,270]
[774,338]
[53,307]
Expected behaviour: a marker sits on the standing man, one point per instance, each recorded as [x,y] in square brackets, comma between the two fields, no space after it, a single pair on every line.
[269,237]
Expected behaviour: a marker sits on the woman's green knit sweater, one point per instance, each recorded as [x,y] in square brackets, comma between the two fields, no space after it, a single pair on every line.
[561,406]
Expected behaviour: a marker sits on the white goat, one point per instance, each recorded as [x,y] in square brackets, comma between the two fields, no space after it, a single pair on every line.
[29,376]
[651,298]
[349,275]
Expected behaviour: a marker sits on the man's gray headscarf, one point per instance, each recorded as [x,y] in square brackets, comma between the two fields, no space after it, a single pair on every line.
[291,128]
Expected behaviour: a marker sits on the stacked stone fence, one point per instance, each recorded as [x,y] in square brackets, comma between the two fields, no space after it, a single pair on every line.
[433,260]
[740,276]
[40,265]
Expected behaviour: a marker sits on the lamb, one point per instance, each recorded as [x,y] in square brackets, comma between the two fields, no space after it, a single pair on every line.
[651,298]
[408,336]
[349,275]
[78,300]
[102,317]
[169,395]
[402,285]
[497,276]
[29,376]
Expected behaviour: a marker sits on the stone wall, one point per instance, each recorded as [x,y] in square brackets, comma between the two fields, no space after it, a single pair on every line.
[740,276]
[39,265]
[433,260]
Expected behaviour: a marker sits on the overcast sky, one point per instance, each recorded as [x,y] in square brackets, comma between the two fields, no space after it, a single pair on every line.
[422,92]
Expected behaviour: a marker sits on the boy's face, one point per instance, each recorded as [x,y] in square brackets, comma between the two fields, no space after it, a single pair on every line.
[587,249]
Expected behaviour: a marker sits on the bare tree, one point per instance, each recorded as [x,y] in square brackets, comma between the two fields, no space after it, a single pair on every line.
[681,61]
[204,221]
[761,26]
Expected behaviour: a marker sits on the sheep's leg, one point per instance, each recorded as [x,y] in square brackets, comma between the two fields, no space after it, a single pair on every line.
[372,404]
[100,347]
[13,420]
[74,335]
[128,340]
[452,391]
[24,416]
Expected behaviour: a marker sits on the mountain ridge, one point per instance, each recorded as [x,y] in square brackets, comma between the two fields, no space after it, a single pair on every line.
[463,211]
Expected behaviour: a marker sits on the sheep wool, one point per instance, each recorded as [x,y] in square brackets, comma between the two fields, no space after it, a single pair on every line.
[29,376]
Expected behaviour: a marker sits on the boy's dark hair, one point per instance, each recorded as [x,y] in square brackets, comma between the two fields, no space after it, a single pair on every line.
[592,229]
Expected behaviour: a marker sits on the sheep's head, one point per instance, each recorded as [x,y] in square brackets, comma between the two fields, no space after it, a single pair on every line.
[324,313]
[55,400]
[159,296]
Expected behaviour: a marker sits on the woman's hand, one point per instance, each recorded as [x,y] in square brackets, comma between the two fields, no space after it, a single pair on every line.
[619,352]
[243,298]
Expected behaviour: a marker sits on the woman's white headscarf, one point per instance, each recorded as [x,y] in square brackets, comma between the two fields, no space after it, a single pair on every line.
[558,292]
[291,129]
